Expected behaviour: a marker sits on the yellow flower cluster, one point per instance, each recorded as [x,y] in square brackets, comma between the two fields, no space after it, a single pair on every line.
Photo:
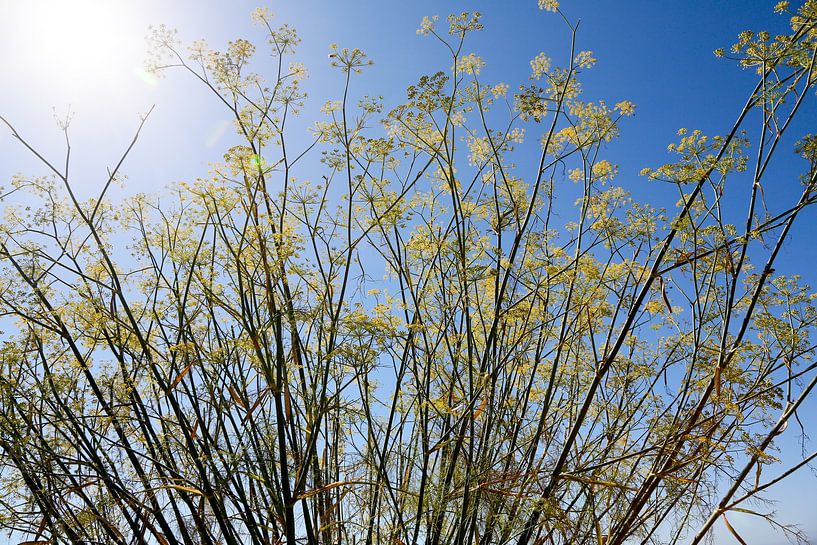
[585,59]
[348,60]
[699,157]
[470,64]
[427,25]
[539,66]
[516,135]
[604,170]
[499,90]
[480,150]
[298,71]
[458,25]
[549,5]
[261,15]
[625,107]
[530,103]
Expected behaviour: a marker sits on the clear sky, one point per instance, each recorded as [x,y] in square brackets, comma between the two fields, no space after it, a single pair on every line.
[87,56]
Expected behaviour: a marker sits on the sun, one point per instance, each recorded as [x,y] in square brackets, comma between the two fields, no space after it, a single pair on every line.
[79,46]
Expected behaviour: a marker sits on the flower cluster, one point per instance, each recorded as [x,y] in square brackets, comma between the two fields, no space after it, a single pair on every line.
[348,60]
[499,90]
[427,25]
[585,59]
[458,25]
[470,64]
[539,66]
[626,108]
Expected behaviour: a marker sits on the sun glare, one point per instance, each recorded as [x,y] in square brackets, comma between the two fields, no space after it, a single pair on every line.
[80,46]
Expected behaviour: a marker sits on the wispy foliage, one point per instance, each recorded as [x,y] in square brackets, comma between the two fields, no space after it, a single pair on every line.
[417,348]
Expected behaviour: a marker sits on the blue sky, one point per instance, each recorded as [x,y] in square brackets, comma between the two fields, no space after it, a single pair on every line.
[657,54]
